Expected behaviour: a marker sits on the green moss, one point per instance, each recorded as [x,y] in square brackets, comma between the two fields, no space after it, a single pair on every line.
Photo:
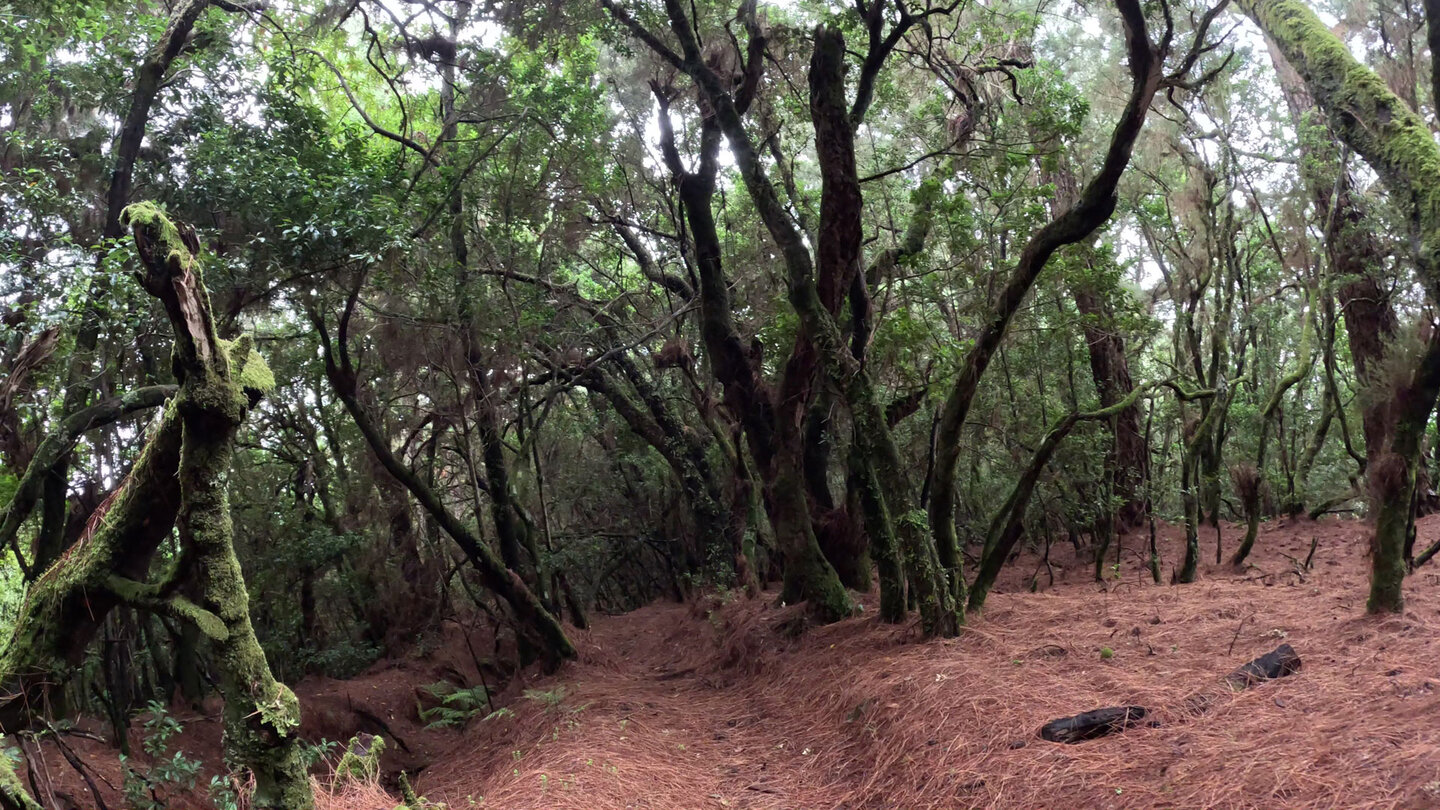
[162,230]
[282,710]
[361,760]
[248,368]
[1375,122]
[12,790]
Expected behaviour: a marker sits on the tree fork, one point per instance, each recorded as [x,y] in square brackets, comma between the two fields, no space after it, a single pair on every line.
[220,382]
[1092,209]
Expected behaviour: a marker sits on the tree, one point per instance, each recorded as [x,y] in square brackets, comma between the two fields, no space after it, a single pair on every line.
[185,467]
[1396,143]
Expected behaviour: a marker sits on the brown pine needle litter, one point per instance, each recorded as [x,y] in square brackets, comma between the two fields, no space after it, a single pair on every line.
[714,706]
[717,704]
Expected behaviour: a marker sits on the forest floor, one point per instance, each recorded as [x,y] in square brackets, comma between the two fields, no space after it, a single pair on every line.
[713,705]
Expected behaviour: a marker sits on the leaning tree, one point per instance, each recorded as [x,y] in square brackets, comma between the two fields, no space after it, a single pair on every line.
[179,483]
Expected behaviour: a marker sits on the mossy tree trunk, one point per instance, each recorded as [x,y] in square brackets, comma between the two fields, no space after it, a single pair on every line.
[13,795]
[817,297]
[807,575]
[694,451]
[180,478]
[1392,481]
[837,527]
[1110,369]
[220,382]
[48,462]
[1128,457]
[661,428]
[1008,523]
[65,606]
[819,344]
[1355,265]
[1190,472]
[1250,496]
[1383,129]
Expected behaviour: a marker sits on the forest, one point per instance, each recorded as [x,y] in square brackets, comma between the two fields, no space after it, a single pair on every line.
[771,404]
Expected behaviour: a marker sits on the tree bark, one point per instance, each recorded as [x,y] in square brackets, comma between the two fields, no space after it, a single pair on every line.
[181,479]
[220,382]
[664,432]
[1398,145]
[1366,115]
[51,455]
[1354,254]
[65,606]
[1128,457]
[774,446]
[1092,209]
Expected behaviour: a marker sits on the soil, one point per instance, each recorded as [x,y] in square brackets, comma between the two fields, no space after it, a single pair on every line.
[721,704]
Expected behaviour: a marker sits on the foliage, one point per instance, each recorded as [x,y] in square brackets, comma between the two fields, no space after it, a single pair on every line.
[168,772]
[479,258]
[457,706]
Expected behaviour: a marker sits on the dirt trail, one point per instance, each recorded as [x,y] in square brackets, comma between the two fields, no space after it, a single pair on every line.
[681,707]
[712,706]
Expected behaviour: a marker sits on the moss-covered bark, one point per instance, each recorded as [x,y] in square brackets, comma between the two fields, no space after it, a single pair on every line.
[65,606]
[663,431]
[261,716]
[1371,119]
[1092,209]
[776,448]
[220,382]
[13,795]
[1194,438]
[1398,145]
[880,527]
[50,456]
[1356,266]
[181,477]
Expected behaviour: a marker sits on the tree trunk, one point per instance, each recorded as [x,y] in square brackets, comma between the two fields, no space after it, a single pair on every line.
[65,606]
[1092,209]
[1008,523]
[1392,481]
[663,431]
[1398,145]
[836,530]
[1355,255]
[808,575]
[1110,368]
[1127,458]
[49,459]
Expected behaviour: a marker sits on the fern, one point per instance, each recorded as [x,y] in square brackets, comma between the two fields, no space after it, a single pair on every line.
[549,698]
[456,707]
